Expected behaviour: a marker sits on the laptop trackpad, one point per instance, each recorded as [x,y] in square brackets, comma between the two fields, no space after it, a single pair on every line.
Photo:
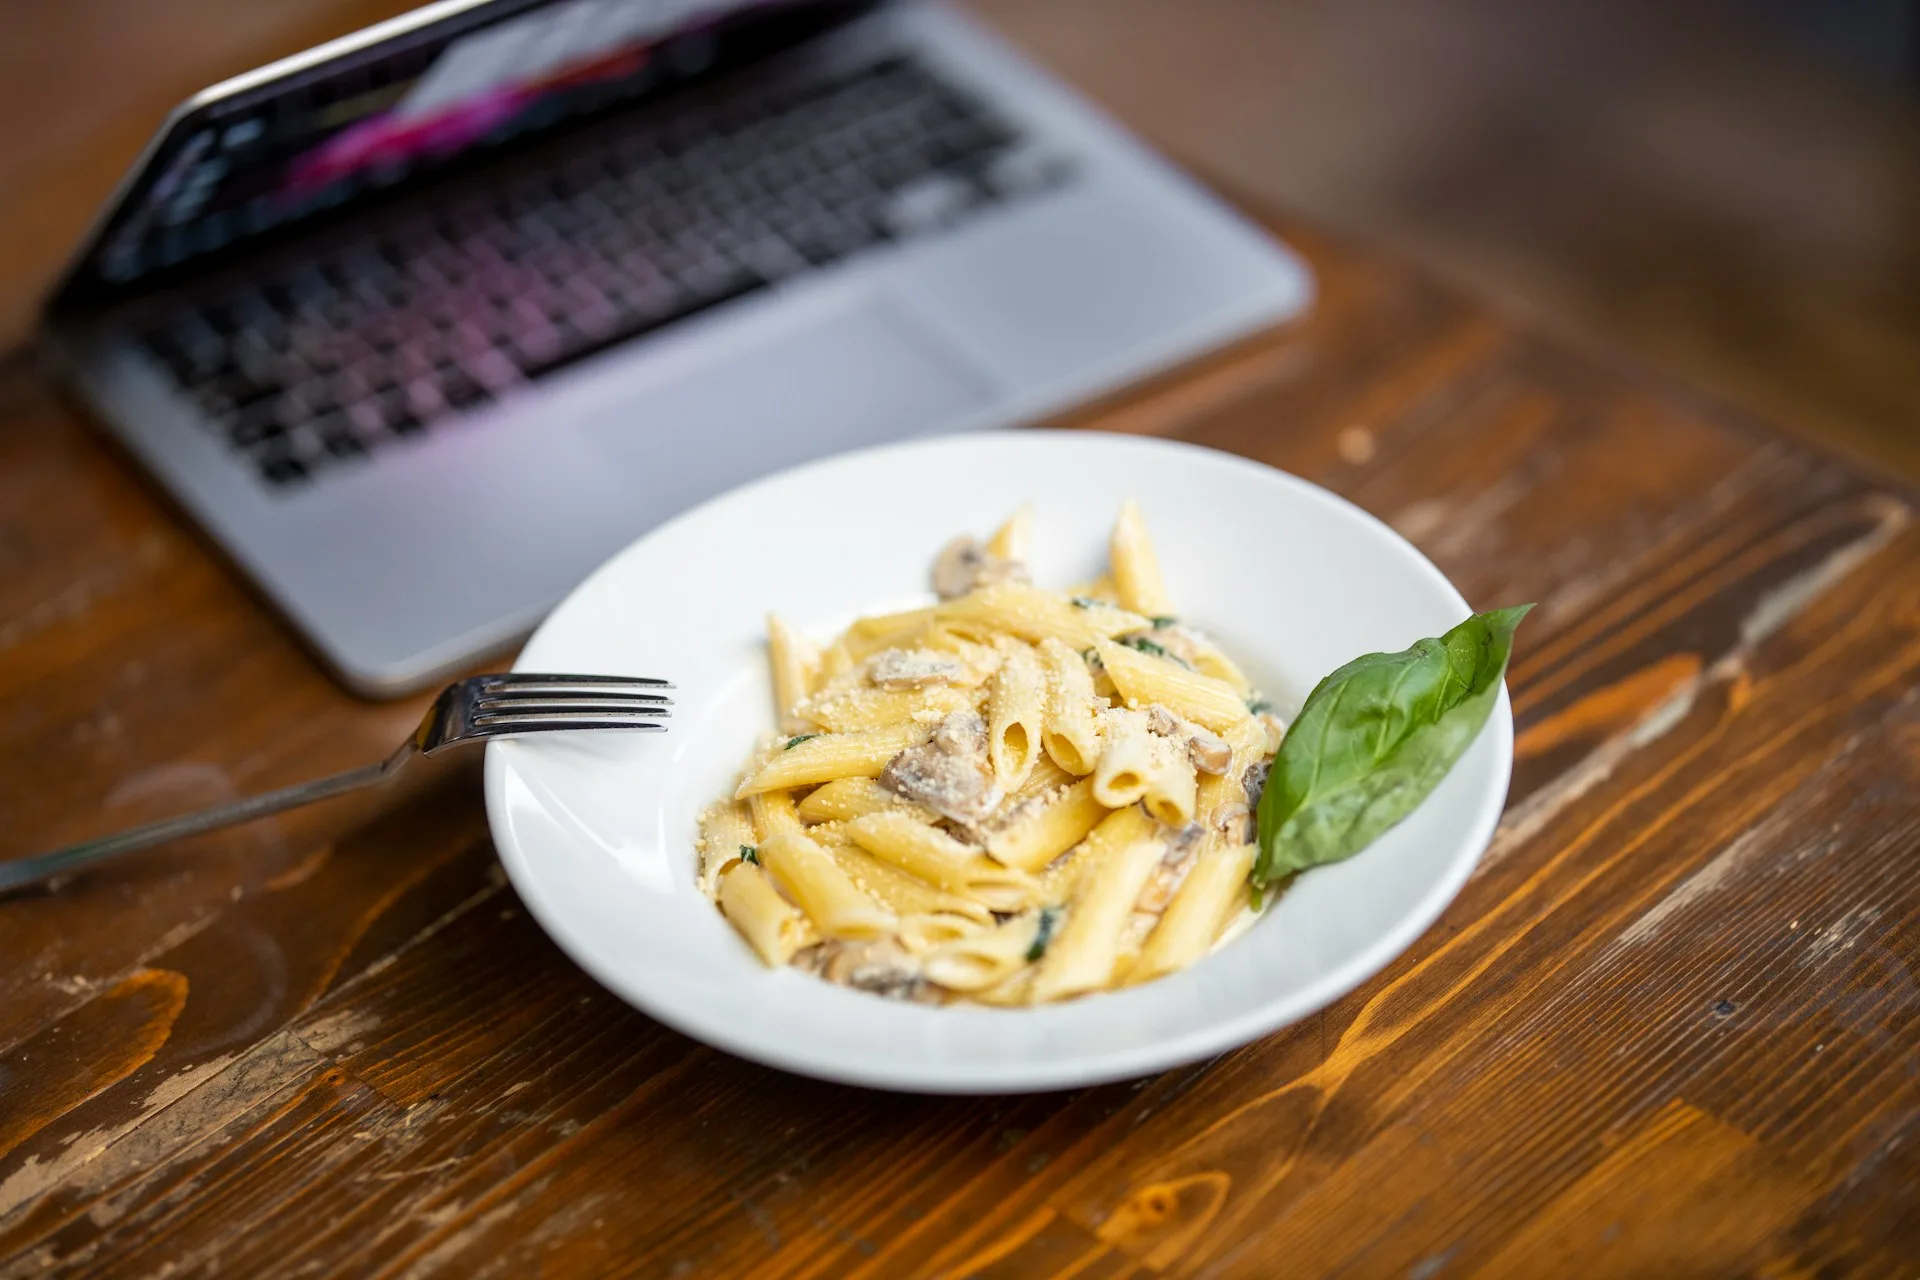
[841,380]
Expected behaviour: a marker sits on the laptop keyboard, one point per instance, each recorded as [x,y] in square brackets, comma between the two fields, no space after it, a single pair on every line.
[323,364]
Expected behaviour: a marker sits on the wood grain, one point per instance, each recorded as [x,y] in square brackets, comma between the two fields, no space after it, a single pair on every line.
[1671,1027]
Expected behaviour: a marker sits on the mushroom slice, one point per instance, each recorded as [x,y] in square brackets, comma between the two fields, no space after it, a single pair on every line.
[948,773]
[964,565]
[1207,749]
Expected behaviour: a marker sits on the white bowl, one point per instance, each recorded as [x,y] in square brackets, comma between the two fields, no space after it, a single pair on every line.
[596,830]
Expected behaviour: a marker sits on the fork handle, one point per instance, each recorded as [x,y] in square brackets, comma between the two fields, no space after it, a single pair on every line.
[24,871]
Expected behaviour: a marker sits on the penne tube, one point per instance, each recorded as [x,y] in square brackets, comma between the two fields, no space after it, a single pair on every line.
[792,662]
[1016,710]
[1201,906]
[1220,802]
[825,757]
[1130,756]
[1144,679]
[1014,993]
[1046,779]
[868,636]
[920,934]
[1071,737]
[1171,790]
[1014,539]
[1037,832]
[1136,569]
[903,894]
[942,861]
[772,926]
[773,813]
[844,799]
[726,832]
[1033,614]
[1122,826]
[1209,661]
[837,906]
[1082,956]
[856,710]
[986,958]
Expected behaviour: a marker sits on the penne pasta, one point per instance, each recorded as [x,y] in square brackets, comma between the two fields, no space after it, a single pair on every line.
[868,636]
[942,861]
[846,798]
[726,833]
[773,813]
[1170,792]
[855,710]
[772,926]
[837,906]
[792,662]
[923,933]
[1014,539]
[1046,778]
[1130,756]
[1143,679]
[1209,661]
[824,757]
[1013,796]
[1136,570]
[1211,892]
[986,958]
[900,892]
[1071,737]
[1121,827]
[1015,608]
[1016,710]
[1082,958]
[1040,830]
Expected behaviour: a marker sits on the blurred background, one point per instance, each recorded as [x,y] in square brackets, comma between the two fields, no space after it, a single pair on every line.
[1729,192]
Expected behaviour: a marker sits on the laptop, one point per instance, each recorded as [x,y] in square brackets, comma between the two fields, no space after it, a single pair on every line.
[424,323]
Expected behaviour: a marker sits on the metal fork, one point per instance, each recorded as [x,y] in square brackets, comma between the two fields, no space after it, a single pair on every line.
[471,710]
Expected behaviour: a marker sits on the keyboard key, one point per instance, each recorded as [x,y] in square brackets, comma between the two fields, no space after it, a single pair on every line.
[283,469]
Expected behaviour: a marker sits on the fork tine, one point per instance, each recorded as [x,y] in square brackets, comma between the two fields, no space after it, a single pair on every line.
[570,707]
[548,681]
[526,699]
[513,725]
[490,705]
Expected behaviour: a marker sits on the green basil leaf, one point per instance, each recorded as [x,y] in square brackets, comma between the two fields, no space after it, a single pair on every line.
[1373,739]
[749,854]
[797,739]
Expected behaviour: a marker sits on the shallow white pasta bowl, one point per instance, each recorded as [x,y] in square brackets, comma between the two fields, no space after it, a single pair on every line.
[597,831]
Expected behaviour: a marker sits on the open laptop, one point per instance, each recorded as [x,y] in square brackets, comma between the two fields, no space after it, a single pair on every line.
[424,323]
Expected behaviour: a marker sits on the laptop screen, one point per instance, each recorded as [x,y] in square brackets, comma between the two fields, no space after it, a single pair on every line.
[375,120]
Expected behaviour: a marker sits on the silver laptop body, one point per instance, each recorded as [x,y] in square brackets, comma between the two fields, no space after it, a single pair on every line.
[782,231]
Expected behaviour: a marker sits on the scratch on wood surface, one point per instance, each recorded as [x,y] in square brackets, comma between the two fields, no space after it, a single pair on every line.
[1757,841]
[456,1243]
[34,1179]
[1772,612]
[1785,602]
[182,1111]
[74,600]
[332,1032]
[1526,820]
[1842,935]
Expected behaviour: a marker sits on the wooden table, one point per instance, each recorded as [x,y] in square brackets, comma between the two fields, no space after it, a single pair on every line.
[1671,1027]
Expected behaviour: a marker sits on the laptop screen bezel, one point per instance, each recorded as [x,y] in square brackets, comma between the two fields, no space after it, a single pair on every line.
[80,288]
